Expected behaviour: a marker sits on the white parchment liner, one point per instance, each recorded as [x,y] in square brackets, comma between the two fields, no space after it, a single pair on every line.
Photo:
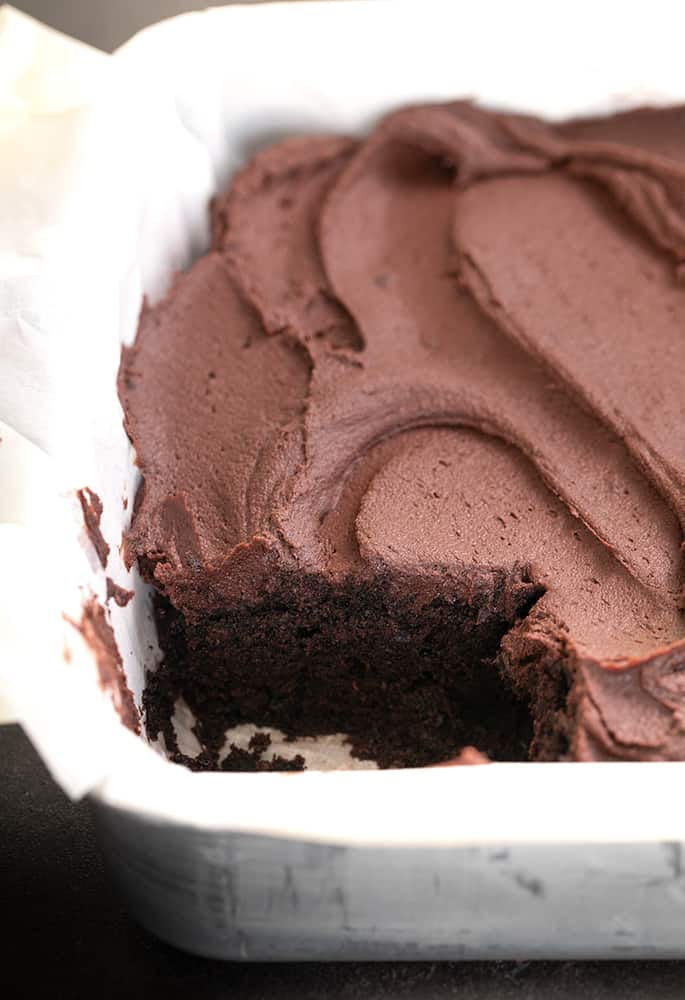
[106,167]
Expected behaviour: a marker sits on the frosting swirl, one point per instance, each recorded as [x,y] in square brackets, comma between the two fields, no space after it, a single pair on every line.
[451,350]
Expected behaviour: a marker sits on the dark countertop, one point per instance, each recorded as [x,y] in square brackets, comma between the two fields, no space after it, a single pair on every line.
[54,886]
[85,946]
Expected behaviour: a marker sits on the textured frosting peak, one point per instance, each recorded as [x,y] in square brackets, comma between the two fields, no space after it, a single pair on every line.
[448,355]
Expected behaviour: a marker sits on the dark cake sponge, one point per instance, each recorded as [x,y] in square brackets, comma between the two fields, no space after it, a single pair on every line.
[412,437]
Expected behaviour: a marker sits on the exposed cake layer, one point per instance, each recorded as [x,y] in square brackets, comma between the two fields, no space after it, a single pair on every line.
[412,437]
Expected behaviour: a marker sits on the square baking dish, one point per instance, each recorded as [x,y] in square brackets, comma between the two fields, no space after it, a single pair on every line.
[115,159]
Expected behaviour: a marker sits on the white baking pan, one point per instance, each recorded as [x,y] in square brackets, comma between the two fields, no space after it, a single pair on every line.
[107,165]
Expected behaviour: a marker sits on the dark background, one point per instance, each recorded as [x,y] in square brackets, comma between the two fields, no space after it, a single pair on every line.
[108,23]
[57,901]
[54,892]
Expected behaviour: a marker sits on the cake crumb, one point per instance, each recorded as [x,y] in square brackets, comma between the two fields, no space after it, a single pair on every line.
[252,759]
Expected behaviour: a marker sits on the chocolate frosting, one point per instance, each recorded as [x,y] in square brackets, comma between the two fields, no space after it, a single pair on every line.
[99,635]
[453,348]
[91,505]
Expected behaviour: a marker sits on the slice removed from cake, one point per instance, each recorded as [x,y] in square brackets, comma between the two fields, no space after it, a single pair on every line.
[411,437]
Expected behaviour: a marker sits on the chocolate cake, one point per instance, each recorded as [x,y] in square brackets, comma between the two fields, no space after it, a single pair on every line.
[412,443]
